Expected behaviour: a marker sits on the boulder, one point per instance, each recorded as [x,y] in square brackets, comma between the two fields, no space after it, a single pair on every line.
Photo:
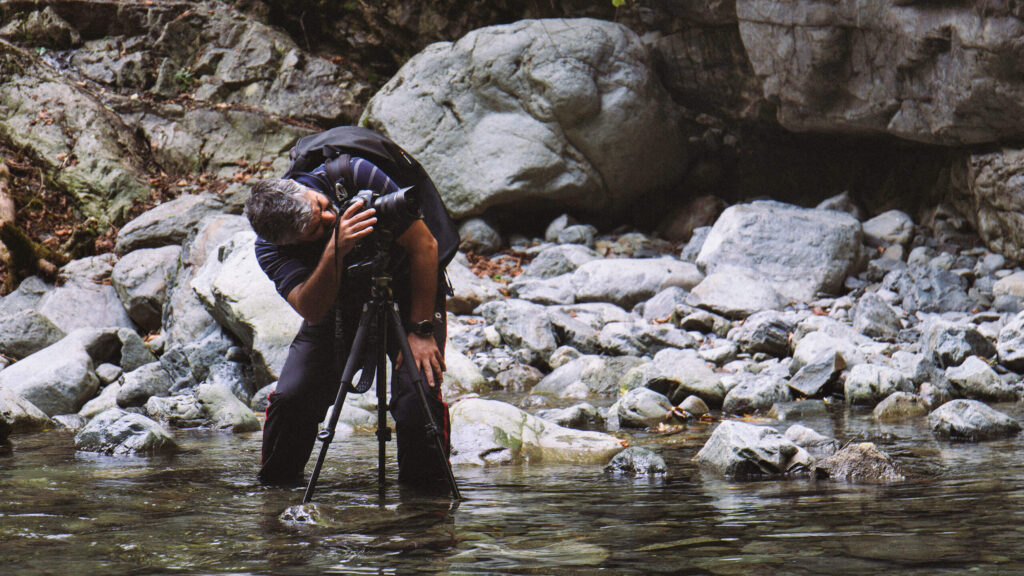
[636,461]
[140,279]
[817,358]
[19,415]
[523,325]
[557,111]
[59,379]
[741,450]
[756,393]
[469,290]
[240,296]
[1010,344]
[977,380]
[224,410]
[681,373]
[143,382]
[461,375]
[119,433]
[22,329]
[871,383]
[928,288]
[662,306]
[861,462]
[900,406]
[582,416]
[950,343]
[585,376]
[641,407]
[640,338]
[580,325]
[489,430]
[520,378]
[85,299]
[734,293]
[548,291]
[817,444]
[990,199]
[182,411]
[558,260]
[107,398]
[971,420]
[766,332]
[477,235]
[875,319]
[888,228]
[799,252]
[628,281]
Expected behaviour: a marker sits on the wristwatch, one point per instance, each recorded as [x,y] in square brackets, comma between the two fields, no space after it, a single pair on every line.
[423,328]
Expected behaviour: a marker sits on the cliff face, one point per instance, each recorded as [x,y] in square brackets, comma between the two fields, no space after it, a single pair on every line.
[897,103]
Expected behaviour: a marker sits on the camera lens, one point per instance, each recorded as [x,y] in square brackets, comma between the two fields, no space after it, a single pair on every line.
[403,203]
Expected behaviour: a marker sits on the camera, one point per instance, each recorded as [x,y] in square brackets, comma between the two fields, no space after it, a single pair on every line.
[400,204]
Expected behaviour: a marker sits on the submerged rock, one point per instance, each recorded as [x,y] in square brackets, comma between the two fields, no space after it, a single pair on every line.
[739,450]
[636,461]
[119,433]
[861,462]
[900,406]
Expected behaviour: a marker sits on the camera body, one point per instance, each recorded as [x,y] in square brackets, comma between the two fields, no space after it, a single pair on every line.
[390,207]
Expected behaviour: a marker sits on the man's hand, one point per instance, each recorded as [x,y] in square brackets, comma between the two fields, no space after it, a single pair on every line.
[428,358]
[354,224]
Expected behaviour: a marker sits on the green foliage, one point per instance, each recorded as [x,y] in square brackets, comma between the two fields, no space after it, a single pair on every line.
[41,51]
[618,3]
[184,79]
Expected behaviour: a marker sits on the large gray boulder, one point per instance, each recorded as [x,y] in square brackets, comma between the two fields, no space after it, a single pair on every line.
[140,279]
[224,410]
[975,379]
[640,408]
[58,379]
[871,383]
[971,420]
[560,112]
[1010,344]
[22,329]
[240,296]
[523,325]
[950,343]
[469,289]
[756,393]
[119,433]
[85,299]
[489,431]
[735,293]
[681,373]
[559,259]
[741,450]
[143,382]
[799,252]
[627,281]
[168,223]
[588,375]
[818,63]
[991,199]
[19,415]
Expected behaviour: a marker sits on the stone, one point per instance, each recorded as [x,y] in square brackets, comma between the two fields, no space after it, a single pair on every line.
[556,226]
[58,379]
[19,415]
[143,382]
[580,325]
[817,444]
[876,319]
[766,332]
[582,416]
[519,378]
[950,343]
[990,199]
[85,300]
[108,373]
[581,234]
[244,301]
[817,358]
[636,461]
[641,338]
[549,291]
[182,411]
[586,376]
[930,289]
[628,281]
[871,383]
[461,375]
[42,27]
[224,410]
[842,202]
[739,450]
[641,408]
[558,260]
[798,410]
[260,400]
[735,294]
[756,393]
[888,228]
[140,279]
[523,325]
[478,236]
[662,306]
[555,111]
[971,420]
[861,462]
[799,252]
[1010,344]
[491,431]
[134,351]
[107,398]
[694,405]
[976,380]
[118,433]
[1012,285]
[900,406]
[681,373]
[469,290]
[680,223]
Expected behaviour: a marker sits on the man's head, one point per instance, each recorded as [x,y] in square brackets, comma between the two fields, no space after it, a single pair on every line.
[285,212]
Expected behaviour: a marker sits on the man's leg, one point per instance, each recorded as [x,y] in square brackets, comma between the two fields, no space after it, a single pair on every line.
[305,390]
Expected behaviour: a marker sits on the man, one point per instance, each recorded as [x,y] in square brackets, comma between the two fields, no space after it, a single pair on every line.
[305,247]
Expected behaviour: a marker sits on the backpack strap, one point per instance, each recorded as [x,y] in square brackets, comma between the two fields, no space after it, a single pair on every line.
[339,173]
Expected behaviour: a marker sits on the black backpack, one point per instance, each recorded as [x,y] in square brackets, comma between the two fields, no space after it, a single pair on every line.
[334,147]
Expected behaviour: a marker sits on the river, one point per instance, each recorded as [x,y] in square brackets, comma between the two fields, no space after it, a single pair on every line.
[961,511]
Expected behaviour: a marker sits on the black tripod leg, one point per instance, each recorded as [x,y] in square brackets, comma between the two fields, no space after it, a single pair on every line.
[409,364]
[383,432]
[351,365]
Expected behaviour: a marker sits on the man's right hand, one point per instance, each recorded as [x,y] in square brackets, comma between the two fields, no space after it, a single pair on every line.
[354,224]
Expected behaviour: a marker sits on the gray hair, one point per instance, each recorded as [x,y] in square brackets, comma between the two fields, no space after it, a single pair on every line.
[276,210]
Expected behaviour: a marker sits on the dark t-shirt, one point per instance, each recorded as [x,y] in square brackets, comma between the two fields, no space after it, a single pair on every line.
[289,265]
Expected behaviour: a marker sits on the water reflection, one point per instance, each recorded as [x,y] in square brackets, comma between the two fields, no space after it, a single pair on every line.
[959,512]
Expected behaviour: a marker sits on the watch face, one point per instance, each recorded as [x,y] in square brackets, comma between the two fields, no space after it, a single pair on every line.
[424,328]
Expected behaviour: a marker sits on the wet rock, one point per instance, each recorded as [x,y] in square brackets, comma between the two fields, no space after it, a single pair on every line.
[640,338]
[585,376]
[816,444]
[635,461]
[568,142]
[628,281]
[771,241]
[641,407]
[470,290]
[871,383]
[189,364]
[583,416]
[694,405]
[862,462]
[140,279]
[876,319]
[58,379]
[892,227]
[107,398]
[182,411]
[19,415]
[140,384]
[681,373]
[766,332]
[798,410]
[900,406]
[1010,345]
[244,301]
[977,380]
[741,450]
[734,294]
[756,393]
[224,410]
[461,374]
[950,343]
[522,325]
[971,420]
[478,236]
[260,399]
[487,431]
[118,433]
[519,378]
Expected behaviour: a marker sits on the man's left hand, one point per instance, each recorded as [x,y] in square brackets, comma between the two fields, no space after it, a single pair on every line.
[428,358]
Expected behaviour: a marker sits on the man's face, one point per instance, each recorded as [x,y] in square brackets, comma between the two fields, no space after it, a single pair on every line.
[323,218]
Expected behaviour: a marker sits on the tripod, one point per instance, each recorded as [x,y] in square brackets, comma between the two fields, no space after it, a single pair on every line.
[379,313]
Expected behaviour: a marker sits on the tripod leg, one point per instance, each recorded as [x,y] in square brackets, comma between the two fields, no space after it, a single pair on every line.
[383,432]
[409,365]
[348,374]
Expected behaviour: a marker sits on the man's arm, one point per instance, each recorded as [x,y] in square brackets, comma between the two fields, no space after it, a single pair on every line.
[421,247]
[315,296]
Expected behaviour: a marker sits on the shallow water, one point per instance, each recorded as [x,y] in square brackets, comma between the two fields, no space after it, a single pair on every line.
[961,511]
